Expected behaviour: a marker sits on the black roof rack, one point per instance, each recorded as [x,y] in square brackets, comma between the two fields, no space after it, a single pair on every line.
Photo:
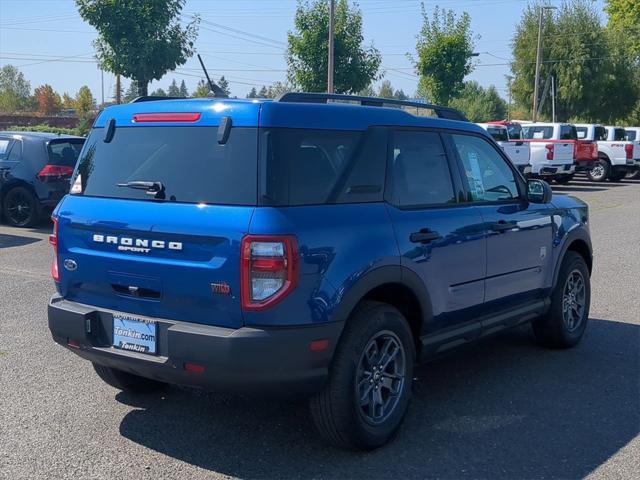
[442,112]
[153,98]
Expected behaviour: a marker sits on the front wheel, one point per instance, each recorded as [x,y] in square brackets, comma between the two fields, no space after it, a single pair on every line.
[565,322]
[369,387]
[600,171]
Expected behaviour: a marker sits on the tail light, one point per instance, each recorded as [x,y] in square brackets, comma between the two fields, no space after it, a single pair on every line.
[550,149]
[269,270]
[55,171]
[628,150]
[53,240]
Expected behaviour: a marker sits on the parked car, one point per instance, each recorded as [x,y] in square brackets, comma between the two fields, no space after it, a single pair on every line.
[35,169]
[305,246]
[633,135]
[552,150]
[517,150]
[616,155]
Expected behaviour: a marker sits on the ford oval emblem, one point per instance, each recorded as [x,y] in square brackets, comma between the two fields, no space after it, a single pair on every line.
[70,265]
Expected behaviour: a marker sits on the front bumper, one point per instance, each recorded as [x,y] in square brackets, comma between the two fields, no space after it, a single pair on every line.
[273,361]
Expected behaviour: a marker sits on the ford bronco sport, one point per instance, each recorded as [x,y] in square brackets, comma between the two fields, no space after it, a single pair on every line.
[305,246]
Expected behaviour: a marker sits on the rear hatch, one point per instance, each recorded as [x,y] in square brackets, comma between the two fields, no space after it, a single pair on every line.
[586,150]
[563,151]
[155,219]
[518,152]
[62,156]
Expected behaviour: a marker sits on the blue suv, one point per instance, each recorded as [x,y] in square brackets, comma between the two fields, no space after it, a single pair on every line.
[315,245]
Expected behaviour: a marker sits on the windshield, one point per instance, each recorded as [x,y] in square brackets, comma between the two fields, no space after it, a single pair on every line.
[499,134]
[65,152]
[537,132]
[619,134]
[515,131]
[187,162]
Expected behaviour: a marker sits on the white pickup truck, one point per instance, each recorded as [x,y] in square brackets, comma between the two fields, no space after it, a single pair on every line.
[633,135]
[552,150]
[617,156]
[517,150]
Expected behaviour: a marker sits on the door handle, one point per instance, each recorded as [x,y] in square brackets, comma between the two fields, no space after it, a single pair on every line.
[503,226]
[424,236]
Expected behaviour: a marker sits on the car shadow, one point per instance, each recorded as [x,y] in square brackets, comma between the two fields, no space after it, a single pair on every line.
[574,188]
[8,241]
[503,408]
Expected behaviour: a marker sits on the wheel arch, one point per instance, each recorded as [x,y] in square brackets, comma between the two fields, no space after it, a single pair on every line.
[577,241]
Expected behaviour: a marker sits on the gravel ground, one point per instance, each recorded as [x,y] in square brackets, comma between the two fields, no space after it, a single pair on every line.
[503,408]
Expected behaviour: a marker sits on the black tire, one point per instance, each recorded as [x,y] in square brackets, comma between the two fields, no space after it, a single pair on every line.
[555,330]
[600,171]
[21,208]
[563,179]
[127,382]
[336,410]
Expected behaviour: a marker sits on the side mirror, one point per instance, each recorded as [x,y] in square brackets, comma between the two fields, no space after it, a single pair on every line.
[538,191]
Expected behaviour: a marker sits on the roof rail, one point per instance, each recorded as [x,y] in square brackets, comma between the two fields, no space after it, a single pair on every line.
[442,112]
[154,98]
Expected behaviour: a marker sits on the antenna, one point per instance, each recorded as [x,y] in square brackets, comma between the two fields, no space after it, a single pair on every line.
[217,91]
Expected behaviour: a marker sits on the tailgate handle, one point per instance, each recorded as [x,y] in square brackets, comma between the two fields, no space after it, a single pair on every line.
[136,292]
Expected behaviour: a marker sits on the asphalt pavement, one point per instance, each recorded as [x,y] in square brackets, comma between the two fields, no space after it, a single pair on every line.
[504,408]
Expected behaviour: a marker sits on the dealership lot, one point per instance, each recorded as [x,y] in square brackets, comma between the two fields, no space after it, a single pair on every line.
[504,408]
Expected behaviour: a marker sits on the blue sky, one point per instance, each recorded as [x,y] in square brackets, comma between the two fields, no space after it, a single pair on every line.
[51,44]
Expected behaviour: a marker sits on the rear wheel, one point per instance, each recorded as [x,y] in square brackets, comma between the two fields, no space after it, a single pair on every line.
[600,171]
[20,207]
[367,395]
[565,322]
[127,382]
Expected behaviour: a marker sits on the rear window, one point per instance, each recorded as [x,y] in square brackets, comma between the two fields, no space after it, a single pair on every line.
[187,161]
[65,152]
[498,134]
[315,167]
[515,131]
[582,132]
[568,132]
[537,132]
[619,134]
[631,135]
[600,134]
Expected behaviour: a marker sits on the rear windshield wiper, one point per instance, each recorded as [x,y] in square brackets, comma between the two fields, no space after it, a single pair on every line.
[152,188]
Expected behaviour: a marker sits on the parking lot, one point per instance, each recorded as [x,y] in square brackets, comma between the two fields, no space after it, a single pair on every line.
[503,408]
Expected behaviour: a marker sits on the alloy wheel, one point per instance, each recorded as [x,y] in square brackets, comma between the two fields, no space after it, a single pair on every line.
[574,301]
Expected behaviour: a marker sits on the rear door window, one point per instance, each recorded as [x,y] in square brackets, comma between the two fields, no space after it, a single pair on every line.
[318,167]
[619,134]
[582,132]
[187,161]
[420,173]
[498,134]
[631,135]
[600,134]
[65,152]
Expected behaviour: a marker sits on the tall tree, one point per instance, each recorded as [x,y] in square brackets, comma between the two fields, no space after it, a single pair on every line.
[14,89]
[223,83]
[263,93]
[444,50]
[400,95]
[131,93]
[159,92]
[84,102]
[68,101]
[174,90]
[480,104]
[278,88]
[386,90]
[48,100]
[184,93]
[202,89]
[589,66]
[141,40]
[356,66]
[624,16]
[253,93]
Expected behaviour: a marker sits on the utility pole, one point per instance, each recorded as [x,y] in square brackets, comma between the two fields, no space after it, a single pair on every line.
[118,90]
[102,86]
[553,99]
[539,61]
[332,13]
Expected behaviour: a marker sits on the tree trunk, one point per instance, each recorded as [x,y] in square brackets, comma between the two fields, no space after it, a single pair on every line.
[142,87]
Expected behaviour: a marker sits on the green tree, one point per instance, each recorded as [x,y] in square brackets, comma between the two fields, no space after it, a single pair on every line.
[131,93]
[202,89]
[84,101]
[174,90]
[444,50]
[49,102]
[278,88]
[386,90]
[159,92]
[141,40]
[624,16]
[263,93]
[253,93]
[594,76]
[14,89]
[480,104]
[400,95]
[224,85]
[68,101]
[356,66]
[184,93]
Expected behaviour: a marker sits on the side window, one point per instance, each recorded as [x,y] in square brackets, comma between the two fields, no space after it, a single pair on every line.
[568,132]
[490,178]
[420,174]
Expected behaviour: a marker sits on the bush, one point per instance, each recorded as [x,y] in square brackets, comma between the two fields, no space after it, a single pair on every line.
[81,130]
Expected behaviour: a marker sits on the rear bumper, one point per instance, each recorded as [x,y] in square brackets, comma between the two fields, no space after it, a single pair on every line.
[274,361]
[550,170]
